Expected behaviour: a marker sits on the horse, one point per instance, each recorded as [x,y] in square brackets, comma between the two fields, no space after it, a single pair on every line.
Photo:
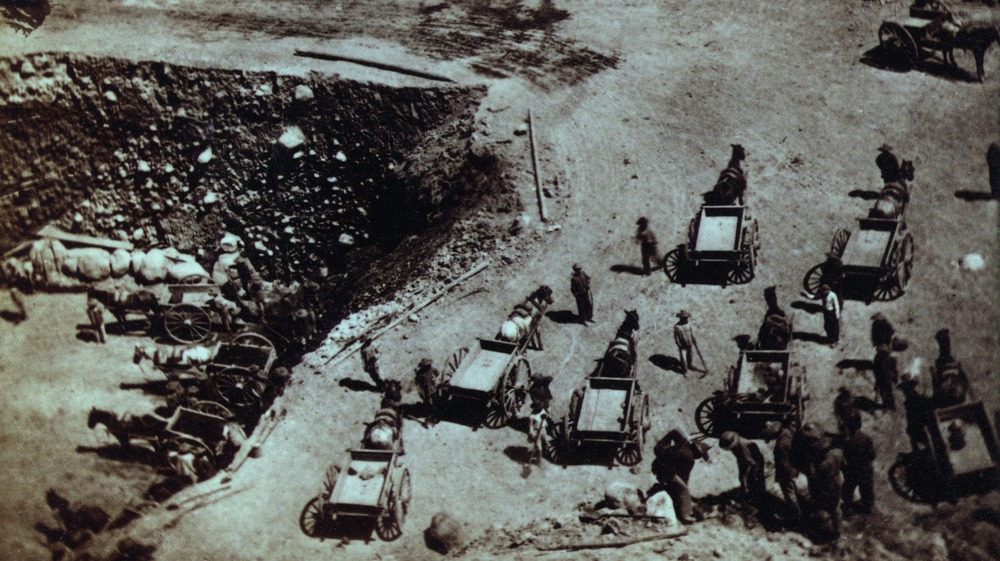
[122,302]
[977,37]
[894,196]
[732,182]
[175,356]
[775,331]
[518,324]
[950,383]
[385,431]
[125,427]
[392,394]
[621,355]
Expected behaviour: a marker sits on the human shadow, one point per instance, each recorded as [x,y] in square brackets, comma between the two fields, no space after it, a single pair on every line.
[744,342]
[807,307]
[973,196]
[358,385]
[563,316]
[519,454]
[12,317]
[863,194]
[809,337]
[631,269]
[86,335]
[668,363]
[856,363]
[154,387]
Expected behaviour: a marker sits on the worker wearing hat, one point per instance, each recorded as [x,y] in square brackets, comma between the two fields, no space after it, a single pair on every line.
[831,314]
[887,163]
[685,340]
[785,472]
[579,285]
[426,378]
[883,333]
[648,245]
[369,362]
[750,462]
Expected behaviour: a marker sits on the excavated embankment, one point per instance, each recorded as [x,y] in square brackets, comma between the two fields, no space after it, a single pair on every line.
[313,173]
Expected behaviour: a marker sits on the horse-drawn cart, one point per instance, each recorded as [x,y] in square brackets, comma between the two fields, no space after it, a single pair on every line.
[493,375]
[761,387]
[187,316]
[876,259]
[613,412]
[374,486]
[961,458]
[719,235]
[239,372]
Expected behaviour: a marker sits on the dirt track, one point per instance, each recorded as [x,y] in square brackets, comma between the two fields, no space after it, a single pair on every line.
[636,104]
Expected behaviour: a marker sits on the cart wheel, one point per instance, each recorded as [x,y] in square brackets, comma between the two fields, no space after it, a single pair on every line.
[899,479]
[199,448]
[213,408]
[554,445]
[898,44]
[839,243]
[516,391]
[647,422]
[813,279]
[888,287]
[454,361]
[312,519]
[185,323]
[673,263]
[630,453]
[235,387]
[251,339]
[195,279]
[329,481]
[904,265]
[389,525]
[704,417]
[743,272]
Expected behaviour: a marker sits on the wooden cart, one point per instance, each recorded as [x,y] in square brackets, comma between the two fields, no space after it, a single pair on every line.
[876,257]
[491,377]
[611,412]
[720,235]
[763,386]
[374,486]
[909,40]
[238,374]
[186,315]
[961,458]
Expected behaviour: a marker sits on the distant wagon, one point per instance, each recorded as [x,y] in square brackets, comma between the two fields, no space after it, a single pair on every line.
[239,373]
[962,458]
[719,235]
[373,487]
[763,386]
[876,259]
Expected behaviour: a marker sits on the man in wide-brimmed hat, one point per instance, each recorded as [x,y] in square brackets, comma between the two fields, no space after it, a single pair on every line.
[750,462]
[887,163]
[831,314]
[648,245]
[369,362]
[684,337]
[579,285]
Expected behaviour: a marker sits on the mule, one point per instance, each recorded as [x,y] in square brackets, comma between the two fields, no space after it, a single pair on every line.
[621,354]
[895,195]
[385,431]
[128,426]
[977,37]
[729,189]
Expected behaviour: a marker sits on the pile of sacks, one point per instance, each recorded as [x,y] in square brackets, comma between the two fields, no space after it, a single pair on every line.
[49,264]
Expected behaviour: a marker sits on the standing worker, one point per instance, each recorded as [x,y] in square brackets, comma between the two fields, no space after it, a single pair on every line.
[684,337]
[675,457]
[831,314]
[647,245]
[784,469]
[750,462]
[887,163]
[579,285]
[883,333]
[859,468]
[369,361]
[886,375]
[95,312]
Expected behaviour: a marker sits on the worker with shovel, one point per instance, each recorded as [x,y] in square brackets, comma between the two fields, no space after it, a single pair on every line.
[686,343]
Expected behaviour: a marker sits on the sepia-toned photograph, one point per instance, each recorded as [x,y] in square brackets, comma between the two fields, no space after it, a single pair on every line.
[414,280]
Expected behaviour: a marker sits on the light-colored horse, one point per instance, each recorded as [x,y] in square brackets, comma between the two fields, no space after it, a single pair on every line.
[383,433]
[518,324]
[175,356]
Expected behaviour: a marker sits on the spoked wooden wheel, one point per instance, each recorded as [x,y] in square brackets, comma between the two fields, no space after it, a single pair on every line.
[673,264]
[813,279]
[630,453]
[743,271]
[898,44]
[251,339]
[329,481]
[839,242]
[704,417]
[899,478]
[389,524]
[186,444]
[511,395]
[185,323]
[237,388]
[888,287]
[904,265]
[312,519]
[213,408]
[453,363]
[554,445]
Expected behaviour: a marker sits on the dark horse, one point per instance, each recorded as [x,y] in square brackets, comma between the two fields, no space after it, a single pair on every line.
[127,427]
[122,302]
[977,37]
[620,357]
[732,183]
[895,194]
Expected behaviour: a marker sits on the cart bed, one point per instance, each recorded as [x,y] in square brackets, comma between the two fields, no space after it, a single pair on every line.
[603,405]
[188,422]
[747,380]
[870,244]
[244,356]
[719,228]
[362,482]
[980,451]
[482,369]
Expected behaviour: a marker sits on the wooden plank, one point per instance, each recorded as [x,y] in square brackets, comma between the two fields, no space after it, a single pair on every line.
[483,371]
[374,64]
[537,168]
[866,248]
[361,483]
[718,233]
[601,410]
[54,233]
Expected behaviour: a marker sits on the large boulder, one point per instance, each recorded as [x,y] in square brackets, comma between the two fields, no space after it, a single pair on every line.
[621,495]
[178,270]
[47,258]
[135,265]
[154,266]
[445,533]
[661,505]
[120,262]
[93,263]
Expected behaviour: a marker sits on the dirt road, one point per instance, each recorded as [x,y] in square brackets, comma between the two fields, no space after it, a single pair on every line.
[636,104]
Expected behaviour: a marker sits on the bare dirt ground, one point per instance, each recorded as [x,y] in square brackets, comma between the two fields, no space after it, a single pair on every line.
[636,104]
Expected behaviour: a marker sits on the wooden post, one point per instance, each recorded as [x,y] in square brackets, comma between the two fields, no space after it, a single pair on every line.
[535,165]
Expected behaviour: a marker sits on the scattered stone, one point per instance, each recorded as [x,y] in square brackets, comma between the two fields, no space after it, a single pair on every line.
[138,234]
[972,262]
[445,533]
[205,156]
[92,263]
[413,318]
[293,137]
[27,69]
[143,167]
[110,96]
[303,93]
[661,505]
[341,156]
[154,266]
[619,494]
[210,198]
[182,269]
[521,129]
[346,239]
